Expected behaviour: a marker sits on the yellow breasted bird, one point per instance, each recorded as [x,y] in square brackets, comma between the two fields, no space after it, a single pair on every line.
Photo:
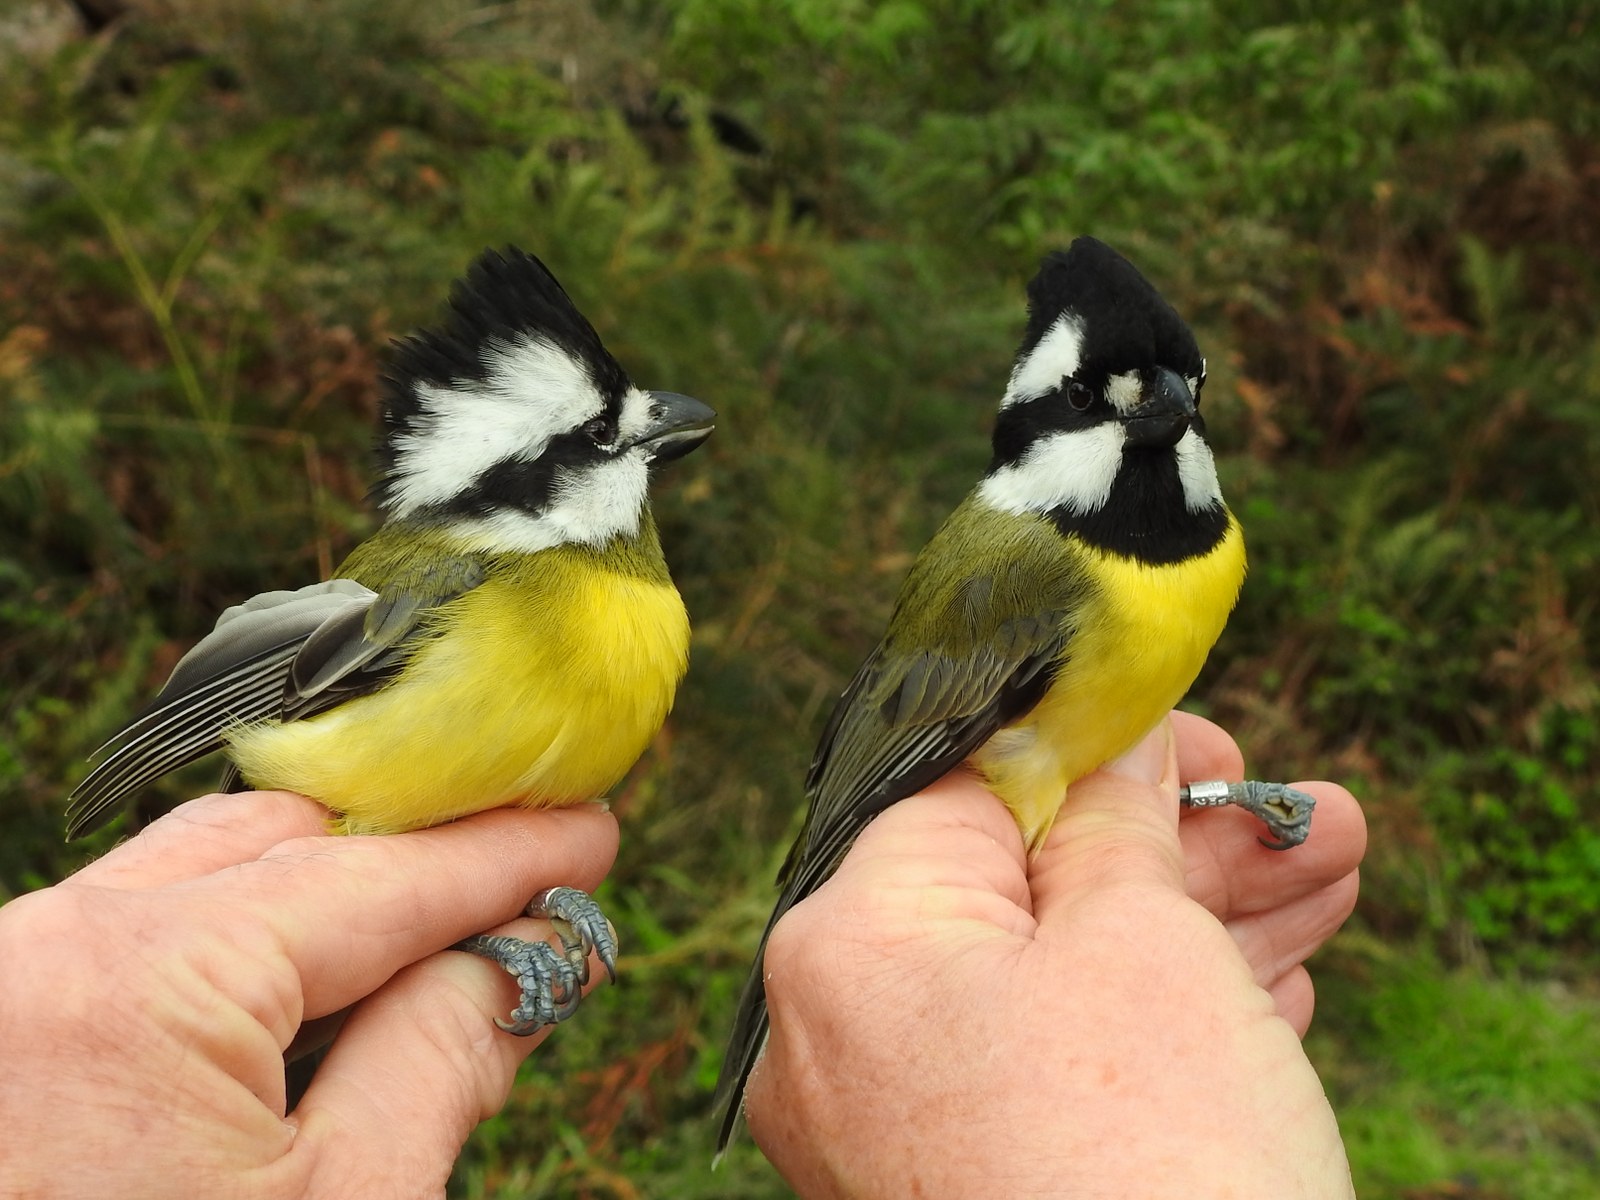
[1059,613]
[510,636]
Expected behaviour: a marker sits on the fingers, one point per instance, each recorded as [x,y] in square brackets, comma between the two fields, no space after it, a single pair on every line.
[1205,751]
[405,896]
[1276,941]
[345,913]
[203,836]
[370,1120]
[1119,826]
[1294,996]
[946,849]
[1279,907]
[1232,874]
[1226,869]
[250,896]
[398,897]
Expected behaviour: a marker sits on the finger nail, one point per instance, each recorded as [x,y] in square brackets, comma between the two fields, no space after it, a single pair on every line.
[1148,761]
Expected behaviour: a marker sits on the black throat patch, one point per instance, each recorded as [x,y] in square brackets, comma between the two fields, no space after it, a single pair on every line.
[1145,517]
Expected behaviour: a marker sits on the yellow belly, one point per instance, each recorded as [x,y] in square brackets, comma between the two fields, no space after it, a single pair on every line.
[1140,642]
[539,692]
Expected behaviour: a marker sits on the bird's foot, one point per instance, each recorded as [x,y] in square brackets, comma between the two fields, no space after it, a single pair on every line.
[1286,812]
[551,981]
[581,926]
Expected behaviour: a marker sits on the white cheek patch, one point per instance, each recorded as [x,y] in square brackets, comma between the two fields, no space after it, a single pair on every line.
[533,391]
[1074,471]
[590,506]
[1057,356]
[1125,392]
[602,501]
[1197,472]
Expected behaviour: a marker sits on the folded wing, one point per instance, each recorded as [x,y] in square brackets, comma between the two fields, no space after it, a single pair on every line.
[278,656]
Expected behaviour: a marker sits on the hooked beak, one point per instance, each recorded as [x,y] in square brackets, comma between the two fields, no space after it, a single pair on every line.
[677,425]
[1165,416]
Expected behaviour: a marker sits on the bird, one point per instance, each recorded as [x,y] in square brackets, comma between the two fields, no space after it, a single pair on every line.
[1059,612]
[510,635]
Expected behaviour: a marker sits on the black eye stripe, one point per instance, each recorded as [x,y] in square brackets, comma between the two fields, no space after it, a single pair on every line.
[529,486]
[1022,424]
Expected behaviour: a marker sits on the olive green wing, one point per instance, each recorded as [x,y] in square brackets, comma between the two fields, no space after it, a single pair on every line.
[908,718]
[966,654]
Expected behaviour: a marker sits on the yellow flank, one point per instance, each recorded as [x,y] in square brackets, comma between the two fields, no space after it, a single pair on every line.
[542,688]
[1141,639]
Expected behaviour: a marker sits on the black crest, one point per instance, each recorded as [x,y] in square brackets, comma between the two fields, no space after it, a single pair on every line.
[505,297]
[1130,324]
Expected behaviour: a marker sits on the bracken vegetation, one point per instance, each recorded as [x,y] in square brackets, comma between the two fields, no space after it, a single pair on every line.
[1382,218]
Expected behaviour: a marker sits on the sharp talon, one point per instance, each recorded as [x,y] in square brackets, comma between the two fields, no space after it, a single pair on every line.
[551,981]
[582,927]
[1285,811]
[550,987]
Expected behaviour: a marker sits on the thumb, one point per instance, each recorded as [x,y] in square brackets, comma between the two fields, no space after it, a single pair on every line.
[1118,827]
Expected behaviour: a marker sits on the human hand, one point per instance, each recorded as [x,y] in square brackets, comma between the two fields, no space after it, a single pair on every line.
[147,1001]
[1121,1017]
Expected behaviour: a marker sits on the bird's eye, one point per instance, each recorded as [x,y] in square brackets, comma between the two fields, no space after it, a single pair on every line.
[1079,395]
[598,430]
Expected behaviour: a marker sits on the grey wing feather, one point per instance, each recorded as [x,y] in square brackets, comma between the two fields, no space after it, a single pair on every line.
[256,626]
[237,673]
[337,661]
[357,649]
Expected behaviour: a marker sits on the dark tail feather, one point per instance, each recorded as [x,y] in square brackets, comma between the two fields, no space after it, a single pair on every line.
[805,870]
[745,1045]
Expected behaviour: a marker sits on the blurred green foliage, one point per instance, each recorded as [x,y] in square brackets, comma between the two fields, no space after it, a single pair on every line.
[1383,220]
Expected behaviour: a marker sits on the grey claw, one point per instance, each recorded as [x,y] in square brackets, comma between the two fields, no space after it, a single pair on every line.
[550,987]
[551,981]
[581,926]
[1285,811]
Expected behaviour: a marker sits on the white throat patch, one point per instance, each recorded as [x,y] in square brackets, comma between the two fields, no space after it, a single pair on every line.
[1074,471]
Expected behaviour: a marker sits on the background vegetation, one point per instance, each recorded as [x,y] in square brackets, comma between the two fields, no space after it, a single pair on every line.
[1383,219]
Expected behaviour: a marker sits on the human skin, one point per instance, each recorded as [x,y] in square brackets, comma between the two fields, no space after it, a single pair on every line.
[147,1000]
[1120,1017]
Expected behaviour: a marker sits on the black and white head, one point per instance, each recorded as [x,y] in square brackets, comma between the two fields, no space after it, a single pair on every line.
[511,424]
[1100,427]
